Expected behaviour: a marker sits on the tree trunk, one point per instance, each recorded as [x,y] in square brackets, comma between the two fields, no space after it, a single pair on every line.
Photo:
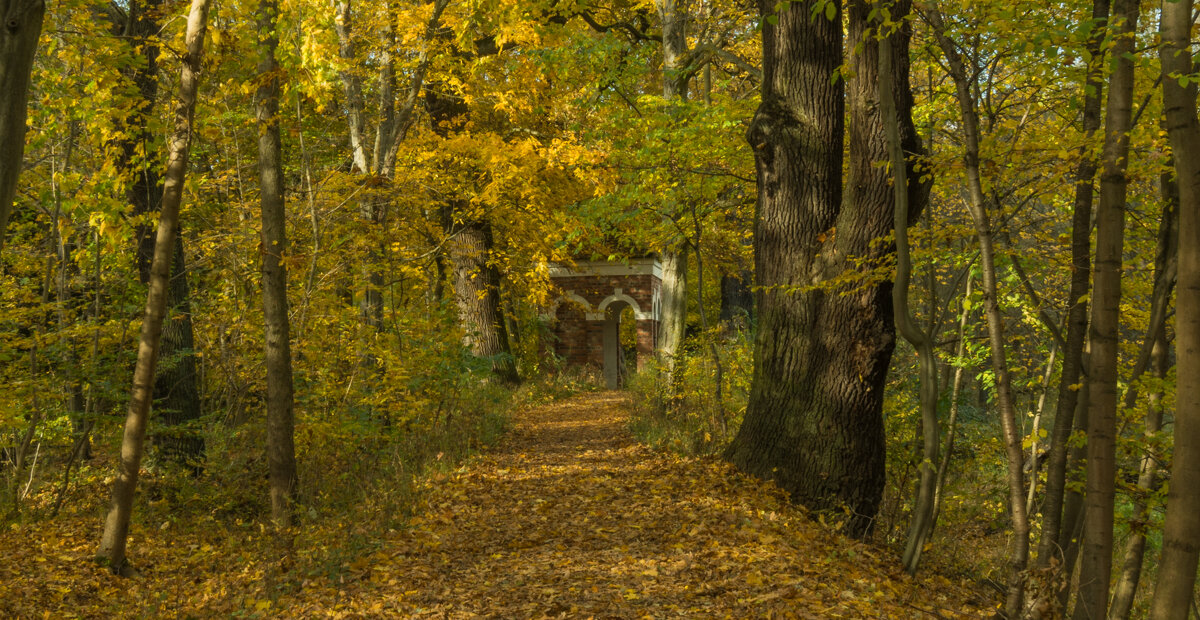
[737,299]
[116,526]
[477,291]
[390,129]
[1157,349]
[798,399]
[18,45]
[1181,531]
[673,309]
[176,384]
[1071,532]
[351,85]
[1051,545]
[1095,568]
[66,269]
[673,15]
[375,208]
[922,515]
[976,204]
[476,277]
[673,305]
[281,452]
[1034,447]
[814,420]
[952,423]
[176,394]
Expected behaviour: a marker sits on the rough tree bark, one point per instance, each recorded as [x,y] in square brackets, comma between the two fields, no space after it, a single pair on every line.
[737,299]
[673,307]
[814,421]
[281,451]
[18,45]
[116,525]
[1095,568]
[1181,531]
[476,277]
[477,291]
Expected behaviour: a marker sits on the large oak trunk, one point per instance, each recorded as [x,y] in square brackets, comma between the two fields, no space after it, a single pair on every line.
[814,422]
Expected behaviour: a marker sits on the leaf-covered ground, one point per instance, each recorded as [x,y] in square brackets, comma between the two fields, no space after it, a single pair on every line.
[568,517]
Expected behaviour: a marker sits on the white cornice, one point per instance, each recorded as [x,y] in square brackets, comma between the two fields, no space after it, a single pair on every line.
[631,267]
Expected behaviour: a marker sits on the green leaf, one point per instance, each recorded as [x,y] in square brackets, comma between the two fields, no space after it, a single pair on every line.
[830,11]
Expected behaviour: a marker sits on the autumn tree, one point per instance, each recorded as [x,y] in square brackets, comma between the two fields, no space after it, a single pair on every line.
[963,71]
[672,15]
[1177,571]
[18,45]
[923,512]
[1096,558]
[116,525]
[281,452]
[1154,356]
[176,393]
[1057,531]
[471,244]
[374,157]
[825,337]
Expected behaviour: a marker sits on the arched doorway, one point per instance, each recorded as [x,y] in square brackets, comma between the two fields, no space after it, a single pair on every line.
[620,343]
[605,314]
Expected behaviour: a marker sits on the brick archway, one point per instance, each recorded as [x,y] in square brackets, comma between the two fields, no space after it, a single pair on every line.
[588,301]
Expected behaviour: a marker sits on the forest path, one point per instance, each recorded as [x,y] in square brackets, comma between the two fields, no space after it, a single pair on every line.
[570,517]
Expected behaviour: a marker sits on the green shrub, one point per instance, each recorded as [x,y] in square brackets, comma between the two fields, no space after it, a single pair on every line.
[688,411]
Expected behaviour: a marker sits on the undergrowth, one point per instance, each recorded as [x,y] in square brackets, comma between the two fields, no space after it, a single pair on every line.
[685,410]
[681,412]
[361,477]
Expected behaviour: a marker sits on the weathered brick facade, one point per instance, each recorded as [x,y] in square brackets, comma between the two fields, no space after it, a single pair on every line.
[587,308]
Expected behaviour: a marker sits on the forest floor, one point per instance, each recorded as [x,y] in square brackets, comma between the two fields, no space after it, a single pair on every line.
[568,517]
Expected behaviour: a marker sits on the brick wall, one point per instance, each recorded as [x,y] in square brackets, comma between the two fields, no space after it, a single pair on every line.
[580,340]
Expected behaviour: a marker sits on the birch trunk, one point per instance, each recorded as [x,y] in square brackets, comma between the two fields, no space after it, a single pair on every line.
[673,16]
